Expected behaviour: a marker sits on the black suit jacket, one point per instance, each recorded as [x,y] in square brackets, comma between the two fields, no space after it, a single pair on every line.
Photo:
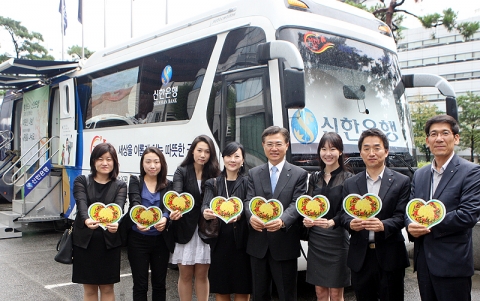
[449,246]
[85,196]
[135,197]
[185,180]
[390,244]
[283,244]
[216,187]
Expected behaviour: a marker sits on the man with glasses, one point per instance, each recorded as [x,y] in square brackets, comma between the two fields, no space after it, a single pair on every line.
[443,254]
[275,246]
[377,255]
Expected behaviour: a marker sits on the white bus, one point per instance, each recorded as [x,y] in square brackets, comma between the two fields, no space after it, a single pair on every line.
[310,66]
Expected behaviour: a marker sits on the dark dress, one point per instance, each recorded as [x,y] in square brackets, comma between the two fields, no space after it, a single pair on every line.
[229,271]
[96,253]
[328,248]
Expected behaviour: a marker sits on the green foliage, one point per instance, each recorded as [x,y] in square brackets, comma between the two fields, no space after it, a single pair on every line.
[469,123]
[26,43]
[422,164]
[76,52]
[393,15]
[468,29]
[429,21]
[449,20]
[420,113]
[358,5]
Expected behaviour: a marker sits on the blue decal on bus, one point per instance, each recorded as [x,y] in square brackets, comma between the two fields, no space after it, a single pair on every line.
[304,126]
[167,75]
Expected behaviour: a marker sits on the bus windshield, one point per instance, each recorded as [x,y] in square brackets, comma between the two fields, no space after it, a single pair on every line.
[350,86]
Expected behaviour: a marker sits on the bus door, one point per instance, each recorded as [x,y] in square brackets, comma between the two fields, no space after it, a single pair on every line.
[63,126]
[63,123]
[242,110]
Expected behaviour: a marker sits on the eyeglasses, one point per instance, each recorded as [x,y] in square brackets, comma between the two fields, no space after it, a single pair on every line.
[277,145]
[369,150]
[442,134]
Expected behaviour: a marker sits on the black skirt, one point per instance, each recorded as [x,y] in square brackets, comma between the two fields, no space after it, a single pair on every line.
[96,264]
[229,271]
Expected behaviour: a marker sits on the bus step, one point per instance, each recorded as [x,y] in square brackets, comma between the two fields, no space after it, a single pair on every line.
[39,219]
[9,228]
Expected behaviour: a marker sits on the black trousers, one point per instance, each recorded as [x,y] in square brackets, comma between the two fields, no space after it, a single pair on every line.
[434,288]
[283,273]
[373,283]
[144,252]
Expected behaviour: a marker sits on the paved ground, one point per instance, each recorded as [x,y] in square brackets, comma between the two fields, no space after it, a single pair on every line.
[28,272]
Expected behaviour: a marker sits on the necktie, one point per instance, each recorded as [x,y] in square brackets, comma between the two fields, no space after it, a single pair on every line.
[274,178]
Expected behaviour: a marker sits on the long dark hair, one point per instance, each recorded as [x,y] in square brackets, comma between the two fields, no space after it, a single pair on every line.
[231,148]
[211,169]
[162,175]
[334,140]
[99,151]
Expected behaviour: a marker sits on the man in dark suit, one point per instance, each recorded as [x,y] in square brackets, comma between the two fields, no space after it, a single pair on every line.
[377,256]
[275,246]
[443,254]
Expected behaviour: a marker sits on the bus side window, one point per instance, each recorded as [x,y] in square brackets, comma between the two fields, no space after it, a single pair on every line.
[160,87]
[169,96]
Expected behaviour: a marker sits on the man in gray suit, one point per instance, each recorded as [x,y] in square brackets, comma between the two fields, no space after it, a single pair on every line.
[275,246]
[443,254]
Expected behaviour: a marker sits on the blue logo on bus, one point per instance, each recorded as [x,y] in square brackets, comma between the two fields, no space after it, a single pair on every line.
[304,126]
[167,74]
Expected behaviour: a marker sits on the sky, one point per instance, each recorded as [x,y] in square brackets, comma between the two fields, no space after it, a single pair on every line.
[148,15]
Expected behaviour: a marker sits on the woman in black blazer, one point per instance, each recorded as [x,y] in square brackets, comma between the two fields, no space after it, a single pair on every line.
[96,252]
[191,254]
[229,271]
[149,248]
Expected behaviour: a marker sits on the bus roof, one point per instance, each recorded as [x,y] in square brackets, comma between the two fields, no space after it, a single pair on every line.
[329,16]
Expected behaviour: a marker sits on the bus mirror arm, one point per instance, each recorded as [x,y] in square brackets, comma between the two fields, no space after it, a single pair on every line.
[432,80]
[293,79]
[280,49]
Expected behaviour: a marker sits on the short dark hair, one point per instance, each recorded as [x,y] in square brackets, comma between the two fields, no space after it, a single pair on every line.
[99,151]
[442,119]
[211,169]
[229,150]
[272,130]
[375,133]
[162,175]
[334,140]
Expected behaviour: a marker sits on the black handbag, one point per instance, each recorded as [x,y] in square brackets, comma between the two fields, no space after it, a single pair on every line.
[208,230]
[65,248]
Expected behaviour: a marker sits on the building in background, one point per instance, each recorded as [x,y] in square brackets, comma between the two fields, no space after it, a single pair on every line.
[446,54]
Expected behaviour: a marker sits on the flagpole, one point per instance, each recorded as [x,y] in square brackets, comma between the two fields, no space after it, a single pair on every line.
[105,23]
[166,12]
[131,18]
[63,29]
[83,38]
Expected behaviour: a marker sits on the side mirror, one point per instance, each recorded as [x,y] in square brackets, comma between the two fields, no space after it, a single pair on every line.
[293,89]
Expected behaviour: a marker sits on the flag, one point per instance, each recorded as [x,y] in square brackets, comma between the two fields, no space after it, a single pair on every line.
[80,11]
[62,9]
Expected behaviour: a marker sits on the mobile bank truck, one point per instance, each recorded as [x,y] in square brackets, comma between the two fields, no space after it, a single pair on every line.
[309,66]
